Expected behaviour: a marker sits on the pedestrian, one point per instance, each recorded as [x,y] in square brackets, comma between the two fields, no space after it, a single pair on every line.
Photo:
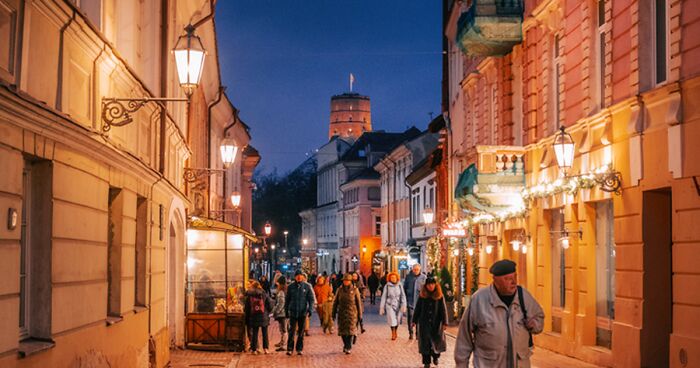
[324,300]
[347,308]
[257,315]
[265,283]
[307,326]
[276,276]
[298,305]
[278,312]
[393,303]
[412,285]
[359,284]
[373,285]
[338,281]
[430,320]
[498,325]
[382,281]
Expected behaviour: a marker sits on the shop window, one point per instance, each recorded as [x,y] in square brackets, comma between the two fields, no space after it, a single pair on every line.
[114,253]
[556,228]
[35,251]
[140,251]
[605,273]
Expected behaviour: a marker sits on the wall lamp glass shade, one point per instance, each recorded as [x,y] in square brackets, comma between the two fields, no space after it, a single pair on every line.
[564,149]
[305,241]
[428,215]
[268,229]
[235,199]
[515,244]
[189,60]
[228,152]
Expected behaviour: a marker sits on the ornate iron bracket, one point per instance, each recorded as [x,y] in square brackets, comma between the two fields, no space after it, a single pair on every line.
[118,111]
[193,174]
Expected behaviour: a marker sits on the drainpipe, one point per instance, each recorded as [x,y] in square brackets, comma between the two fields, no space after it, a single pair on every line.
[210,107]
[59,84]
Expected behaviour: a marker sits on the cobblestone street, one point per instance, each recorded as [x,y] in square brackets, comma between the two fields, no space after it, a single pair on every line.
[373,349]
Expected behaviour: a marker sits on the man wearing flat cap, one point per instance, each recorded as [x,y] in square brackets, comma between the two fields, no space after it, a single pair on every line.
[497,327]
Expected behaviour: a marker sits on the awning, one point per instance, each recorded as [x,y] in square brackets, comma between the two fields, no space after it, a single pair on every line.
[494,194]
[201,223]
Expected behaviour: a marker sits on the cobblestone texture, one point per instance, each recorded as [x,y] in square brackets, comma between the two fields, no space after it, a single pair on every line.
[374,348]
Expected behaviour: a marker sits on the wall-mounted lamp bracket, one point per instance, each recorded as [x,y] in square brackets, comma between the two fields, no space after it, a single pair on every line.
[118,111]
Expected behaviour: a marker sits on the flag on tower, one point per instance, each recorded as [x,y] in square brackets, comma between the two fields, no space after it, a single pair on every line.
[352,80]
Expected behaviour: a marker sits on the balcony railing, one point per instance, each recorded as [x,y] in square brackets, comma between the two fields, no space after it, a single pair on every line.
[490,27]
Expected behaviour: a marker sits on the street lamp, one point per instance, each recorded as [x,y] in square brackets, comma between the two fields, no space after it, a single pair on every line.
[564,149]
[235,199]
[228,152]
[189,59]
[268,229]
[428,215]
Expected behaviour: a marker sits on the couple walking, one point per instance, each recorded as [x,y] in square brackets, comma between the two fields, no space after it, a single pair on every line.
[428,314]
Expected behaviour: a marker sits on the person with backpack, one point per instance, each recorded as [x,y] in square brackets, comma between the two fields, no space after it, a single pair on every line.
[498,325]
[257,315]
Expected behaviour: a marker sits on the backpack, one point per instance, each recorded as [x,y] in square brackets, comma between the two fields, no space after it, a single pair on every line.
[257,304]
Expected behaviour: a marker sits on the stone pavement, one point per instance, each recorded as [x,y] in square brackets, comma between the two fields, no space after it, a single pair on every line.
[374,348]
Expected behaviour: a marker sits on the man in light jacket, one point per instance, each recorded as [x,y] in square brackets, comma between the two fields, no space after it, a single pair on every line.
[412,285]
[496,328]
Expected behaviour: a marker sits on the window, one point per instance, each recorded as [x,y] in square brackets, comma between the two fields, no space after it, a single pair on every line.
[35,250]
[373,194]
[114,253]
[140,251]
[660,39]
[605,272]
[600,48]
[432,198]
[556,227]
[494,114]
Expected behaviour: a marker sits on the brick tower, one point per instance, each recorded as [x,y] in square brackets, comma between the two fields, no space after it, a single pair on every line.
[350,115]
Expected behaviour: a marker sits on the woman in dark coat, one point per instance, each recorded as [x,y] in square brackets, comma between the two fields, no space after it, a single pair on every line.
[347,307]
[430,318]
[258,306]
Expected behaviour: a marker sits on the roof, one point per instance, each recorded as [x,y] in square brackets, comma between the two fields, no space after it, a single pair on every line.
[378,141]
[350,95]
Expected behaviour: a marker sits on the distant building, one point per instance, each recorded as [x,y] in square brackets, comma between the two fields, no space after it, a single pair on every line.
[351,116]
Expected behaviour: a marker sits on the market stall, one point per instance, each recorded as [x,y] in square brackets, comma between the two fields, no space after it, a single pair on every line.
[217,272]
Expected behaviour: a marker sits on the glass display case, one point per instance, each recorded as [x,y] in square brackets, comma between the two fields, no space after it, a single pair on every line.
[217,261]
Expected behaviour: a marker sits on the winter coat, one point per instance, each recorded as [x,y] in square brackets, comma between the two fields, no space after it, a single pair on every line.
[347,307]
[323,292]
[393,303]
[257,319]
[429,316]
[278,309]
[373,282]
[412,285]
[484,330]
[299,300]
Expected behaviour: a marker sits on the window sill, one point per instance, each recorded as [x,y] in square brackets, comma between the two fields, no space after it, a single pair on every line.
[33,346]
[140,308]
[113,320]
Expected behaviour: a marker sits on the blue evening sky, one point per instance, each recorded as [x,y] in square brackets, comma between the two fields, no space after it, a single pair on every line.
[282,60]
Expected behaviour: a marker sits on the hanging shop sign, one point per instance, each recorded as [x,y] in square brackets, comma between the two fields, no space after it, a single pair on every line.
[403,264]
[453,232]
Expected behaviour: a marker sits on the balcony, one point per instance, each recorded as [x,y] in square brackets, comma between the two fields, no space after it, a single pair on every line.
[494,183]
[490,27]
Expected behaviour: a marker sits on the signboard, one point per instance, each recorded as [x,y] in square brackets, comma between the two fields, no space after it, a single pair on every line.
[403,264]
[354,259]
[454,232]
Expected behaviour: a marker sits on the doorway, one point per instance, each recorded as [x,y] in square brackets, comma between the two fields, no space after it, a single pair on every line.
[657,323]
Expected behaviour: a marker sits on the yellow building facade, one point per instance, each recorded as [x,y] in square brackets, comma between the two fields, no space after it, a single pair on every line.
[93,248]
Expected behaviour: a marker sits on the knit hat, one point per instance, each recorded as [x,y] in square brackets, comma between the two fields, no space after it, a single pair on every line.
[430,280]
[298,272]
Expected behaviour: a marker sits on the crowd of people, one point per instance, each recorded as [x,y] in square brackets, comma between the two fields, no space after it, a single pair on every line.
[339,302]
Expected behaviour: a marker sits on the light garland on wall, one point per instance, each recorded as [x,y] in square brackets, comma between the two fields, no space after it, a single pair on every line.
[605,178]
